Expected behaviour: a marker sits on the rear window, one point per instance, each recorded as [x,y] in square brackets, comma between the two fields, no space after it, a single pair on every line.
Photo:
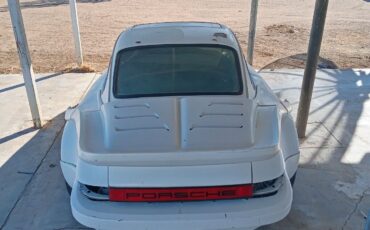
[177,70]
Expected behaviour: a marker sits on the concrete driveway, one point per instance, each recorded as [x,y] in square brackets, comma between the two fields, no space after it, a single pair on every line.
[332,189]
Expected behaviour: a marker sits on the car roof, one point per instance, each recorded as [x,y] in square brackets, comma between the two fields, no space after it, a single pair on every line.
[167,33]
[176,33]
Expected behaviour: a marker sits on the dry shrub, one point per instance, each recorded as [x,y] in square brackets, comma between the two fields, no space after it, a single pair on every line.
[79,69]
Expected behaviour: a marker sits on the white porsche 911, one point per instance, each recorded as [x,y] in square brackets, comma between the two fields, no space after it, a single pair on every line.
[179,133]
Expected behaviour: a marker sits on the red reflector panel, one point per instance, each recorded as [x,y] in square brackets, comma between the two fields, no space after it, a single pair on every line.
[180,194]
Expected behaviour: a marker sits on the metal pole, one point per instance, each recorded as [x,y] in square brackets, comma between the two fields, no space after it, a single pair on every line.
[25,60]
[76,32]
[313,52]
[252,31]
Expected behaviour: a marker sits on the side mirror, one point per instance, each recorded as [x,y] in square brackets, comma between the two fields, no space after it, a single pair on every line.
[287,105]
[278,94]
[69,112]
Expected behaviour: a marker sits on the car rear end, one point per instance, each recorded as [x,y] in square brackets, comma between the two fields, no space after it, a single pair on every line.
[229,204]
[162,154]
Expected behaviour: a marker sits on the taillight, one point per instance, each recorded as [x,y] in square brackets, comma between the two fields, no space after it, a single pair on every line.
[180,194]
[267,188]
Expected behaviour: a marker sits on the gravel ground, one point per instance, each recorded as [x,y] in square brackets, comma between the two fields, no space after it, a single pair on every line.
[282,29]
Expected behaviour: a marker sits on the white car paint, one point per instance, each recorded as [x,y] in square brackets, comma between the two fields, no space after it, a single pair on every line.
[258,146]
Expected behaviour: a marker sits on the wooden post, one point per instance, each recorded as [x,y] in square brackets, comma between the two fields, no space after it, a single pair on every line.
[252,31]
[76,32]
[25,60]
[317,30]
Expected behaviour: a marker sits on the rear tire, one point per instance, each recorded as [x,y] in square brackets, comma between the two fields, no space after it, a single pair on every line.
[69,188]
[292,179]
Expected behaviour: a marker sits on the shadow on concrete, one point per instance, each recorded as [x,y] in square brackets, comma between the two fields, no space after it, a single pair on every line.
[32,189]
[33,194]
[348,115]
[37,80]
[327,179]
[343,113]
[49,3]
[17,134]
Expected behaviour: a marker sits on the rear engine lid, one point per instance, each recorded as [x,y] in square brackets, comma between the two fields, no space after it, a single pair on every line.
[172,124]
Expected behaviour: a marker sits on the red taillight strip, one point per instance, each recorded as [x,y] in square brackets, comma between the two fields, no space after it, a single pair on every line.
[180,194]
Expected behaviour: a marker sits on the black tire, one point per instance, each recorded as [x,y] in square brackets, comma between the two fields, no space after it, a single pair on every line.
[69,188]
[292,179]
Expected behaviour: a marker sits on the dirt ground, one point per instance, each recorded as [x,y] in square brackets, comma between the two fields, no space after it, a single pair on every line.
[282,29]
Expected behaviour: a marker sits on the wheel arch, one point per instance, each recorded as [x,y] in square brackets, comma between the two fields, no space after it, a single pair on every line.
[289,144]
[69,151]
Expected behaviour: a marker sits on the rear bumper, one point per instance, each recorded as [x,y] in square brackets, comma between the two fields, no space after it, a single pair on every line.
[225,214]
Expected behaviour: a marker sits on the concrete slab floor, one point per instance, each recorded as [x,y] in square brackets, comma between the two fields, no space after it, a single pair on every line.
[332,189]
[332,186]
[22,148]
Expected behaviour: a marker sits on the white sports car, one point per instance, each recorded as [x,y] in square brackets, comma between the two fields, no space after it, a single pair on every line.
[179,133]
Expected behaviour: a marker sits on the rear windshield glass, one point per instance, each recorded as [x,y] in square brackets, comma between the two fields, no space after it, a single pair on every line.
[177,70]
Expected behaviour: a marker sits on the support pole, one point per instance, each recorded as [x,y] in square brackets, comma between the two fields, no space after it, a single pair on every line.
[252,31]
[76,32]
[25,61]
[317,30]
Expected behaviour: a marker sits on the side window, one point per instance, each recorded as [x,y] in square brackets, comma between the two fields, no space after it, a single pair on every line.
[105,90]
[246,66]
[250,75]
